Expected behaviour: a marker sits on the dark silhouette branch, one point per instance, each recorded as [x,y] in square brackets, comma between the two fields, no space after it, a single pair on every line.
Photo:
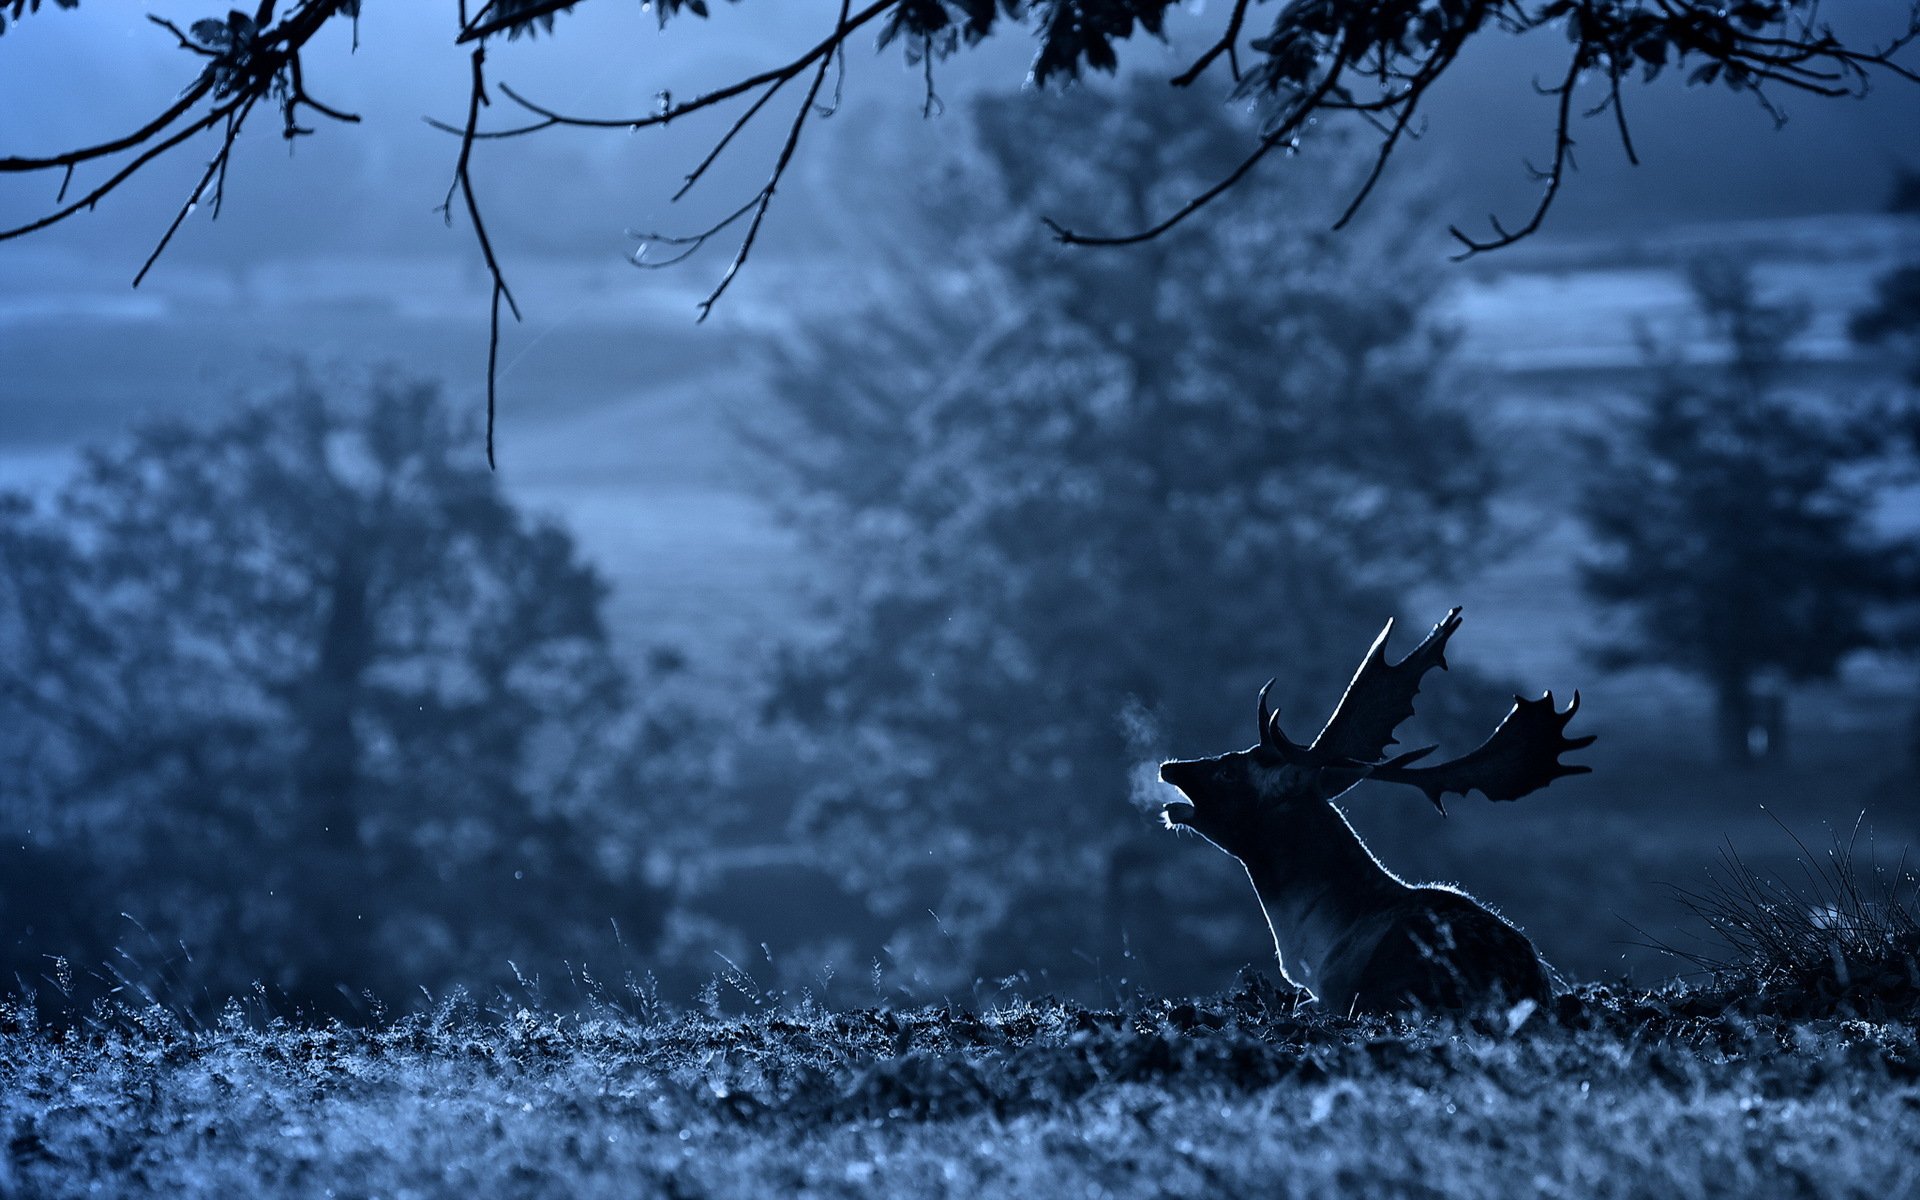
[237,77]
[117,178]
[1768,42]
[216,174]
[1228,40]
[1281,134]
[463,183]
[71,158]
[726,139]
[551,118]
[764,200]
[1562,152]
[1619,107]
[932,105]
[1408,103]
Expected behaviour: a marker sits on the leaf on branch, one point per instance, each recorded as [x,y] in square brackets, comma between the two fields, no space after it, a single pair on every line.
[211,33]
[942,23]
[671,8]
[1077,32]
[20,8]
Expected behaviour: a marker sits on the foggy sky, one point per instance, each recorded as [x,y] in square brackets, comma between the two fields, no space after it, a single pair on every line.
[613,400]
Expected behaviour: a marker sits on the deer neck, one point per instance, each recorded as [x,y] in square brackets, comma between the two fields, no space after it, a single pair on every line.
[1319,885]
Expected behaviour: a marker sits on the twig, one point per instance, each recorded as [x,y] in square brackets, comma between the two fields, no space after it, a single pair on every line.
[550,118]
[719,146]
[463,183]
[215,168]
[692,241]
[1620,118]
[1226,45]
[765,198]
[1562,148]
[1279,134]
[1409,104]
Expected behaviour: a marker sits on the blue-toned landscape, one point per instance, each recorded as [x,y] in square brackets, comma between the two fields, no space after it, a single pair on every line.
[751,783]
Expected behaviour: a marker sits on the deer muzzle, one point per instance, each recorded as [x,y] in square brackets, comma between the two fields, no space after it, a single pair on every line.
[1181,774]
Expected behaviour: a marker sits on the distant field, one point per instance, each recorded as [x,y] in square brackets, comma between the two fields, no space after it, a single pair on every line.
[614,404]
[1235,1096]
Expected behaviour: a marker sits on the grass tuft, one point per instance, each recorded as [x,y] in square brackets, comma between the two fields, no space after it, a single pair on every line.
[1842,939]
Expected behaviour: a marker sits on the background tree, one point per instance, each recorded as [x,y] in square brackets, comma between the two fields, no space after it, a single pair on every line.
[1893,318]
[1057,489]
[302,691]
[1892,321]
[1733,519]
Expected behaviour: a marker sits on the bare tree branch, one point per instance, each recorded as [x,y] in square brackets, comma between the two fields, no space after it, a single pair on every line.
[764,199]
[550,118]
[237,77]
[1562,150]
[1228,40]
[1281,134]
[216,170]
[192,96]
[463,183]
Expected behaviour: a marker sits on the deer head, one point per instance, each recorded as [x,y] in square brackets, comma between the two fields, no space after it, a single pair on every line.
[1226,795]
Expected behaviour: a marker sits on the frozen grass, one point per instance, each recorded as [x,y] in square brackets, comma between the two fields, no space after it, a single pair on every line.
[1792,1070]
[1655,1094]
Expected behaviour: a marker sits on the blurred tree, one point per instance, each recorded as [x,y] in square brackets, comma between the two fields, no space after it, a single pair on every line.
[303,690]
[1060,487]
[1893,319]
[1733,520]
[1313,63]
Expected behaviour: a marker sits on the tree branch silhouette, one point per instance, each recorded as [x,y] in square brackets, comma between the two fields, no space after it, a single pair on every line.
[1372,60]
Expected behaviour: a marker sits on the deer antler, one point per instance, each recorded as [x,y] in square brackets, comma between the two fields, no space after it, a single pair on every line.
[1521,756]
[1381,696]
[1270,735]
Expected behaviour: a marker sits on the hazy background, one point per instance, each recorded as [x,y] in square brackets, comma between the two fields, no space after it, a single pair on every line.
[620,417]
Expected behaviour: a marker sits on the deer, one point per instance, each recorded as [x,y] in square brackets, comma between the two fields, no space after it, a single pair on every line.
[1346,929]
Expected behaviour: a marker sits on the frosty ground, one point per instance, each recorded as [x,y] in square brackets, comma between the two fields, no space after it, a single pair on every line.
[1656,1094]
